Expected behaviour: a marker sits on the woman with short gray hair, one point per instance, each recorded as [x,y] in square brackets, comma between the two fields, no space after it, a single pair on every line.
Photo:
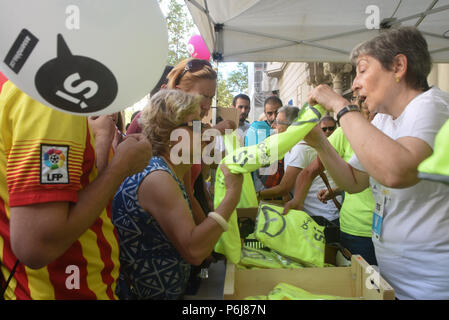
[411,217]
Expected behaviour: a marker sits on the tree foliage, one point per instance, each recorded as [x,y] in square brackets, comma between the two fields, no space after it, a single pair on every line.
[180,27]
[238,80]
[224,95]
[235,83]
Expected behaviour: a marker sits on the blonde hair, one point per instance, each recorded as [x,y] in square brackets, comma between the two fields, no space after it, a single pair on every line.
[189,78]
[166,110]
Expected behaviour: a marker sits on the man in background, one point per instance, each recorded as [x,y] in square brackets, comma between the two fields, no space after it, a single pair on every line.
[243,104]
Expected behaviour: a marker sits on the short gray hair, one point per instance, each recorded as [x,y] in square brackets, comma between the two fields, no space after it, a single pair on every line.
[328,118]
[405,40]
[291,113]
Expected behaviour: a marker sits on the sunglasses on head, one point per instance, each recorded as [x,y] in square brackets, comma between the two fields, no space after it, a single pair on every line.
[328,129]
[193,65]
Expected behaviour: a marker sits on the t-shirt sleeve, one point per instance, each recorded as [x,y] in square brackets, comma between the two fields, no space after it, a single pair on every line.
[50,153]
[338,141]
[424,117]
[355,163]
[300,157]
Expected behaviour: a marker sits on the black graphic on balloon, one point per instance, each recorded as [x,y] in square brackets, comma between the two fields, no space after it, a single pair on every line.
[76,83]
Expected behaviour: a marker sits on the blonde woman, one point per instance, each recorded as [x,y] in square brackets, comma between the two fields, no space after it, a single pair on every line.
[159,239]
[194,76]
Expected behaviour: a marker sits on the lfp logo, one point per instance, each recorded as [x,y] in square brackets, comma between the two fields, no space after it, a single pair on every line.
[54,158]
[54,164]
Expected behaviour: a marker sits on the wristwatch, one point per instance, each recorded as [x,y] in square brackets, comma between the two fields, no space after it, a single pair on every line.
[346,109]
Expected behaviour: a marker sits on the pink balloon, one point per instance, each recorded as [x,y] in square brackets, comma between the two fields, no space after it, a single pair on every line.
[197,48]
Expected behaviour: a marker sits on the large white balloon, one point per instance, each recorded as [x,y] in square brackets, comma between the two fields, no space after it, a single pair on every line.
[85,57]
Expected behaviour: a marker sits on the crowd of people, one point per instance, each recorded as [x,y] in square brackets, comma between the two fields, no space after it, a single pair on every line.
[91,209]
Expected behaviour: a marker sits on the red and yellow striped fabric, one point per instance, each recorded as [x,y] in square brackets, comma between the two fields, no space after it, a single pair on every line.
[3,79]
[46,156]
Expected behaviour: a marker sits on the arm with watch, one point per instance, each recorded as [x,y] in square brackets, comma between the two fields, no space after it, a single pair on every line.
[391,162]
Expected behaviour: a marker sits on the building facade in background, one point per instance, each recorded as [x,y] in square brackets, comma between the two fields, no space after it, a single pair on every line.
[292,81]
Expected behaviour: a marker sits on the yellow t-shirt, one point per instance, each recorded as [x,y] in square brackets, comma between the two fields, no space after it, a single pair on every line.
[356,213]
[48,156]
[436,167]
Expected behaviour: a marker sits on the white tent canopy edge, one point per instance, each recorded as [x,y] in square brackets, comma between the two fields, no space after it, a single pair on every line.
[311,30]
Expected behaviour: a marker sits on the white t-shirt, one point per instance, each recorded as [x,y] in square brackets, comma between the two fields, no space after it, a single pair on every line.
[413,249]
[241,132]
[300,156]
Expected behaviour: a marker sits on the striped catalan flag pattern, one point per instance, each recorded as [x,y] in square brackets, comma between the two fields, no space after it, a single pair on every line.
[47,156]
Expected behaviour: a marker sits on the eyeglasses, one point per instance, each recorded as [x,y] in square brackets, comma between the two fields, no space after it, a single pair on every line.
[328,129]
[193,65]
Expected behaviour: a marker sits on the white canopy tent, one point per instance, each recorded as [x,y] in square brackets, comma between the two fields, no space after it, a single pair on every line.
[311,30]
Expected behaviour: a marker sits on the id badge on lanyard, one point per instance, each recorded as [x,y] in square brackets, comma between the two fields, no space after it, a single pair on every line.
[378,214]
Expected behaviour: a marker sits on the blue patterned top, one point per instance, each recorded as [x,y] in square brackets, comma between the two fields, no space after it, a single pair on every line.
[151,267]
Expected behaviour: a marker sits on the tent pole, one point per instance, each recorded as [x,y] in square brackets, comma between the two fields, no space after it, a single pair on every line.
[196,4]
[424,15]
[439,50]
[288,45]
[215,101]
[430,34]
[209,19]
[276,37]
[293,41]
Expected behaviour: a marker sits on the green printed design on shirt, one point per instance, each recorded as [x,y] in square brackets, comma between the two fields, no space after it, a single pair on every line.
[294,235]
[247,159]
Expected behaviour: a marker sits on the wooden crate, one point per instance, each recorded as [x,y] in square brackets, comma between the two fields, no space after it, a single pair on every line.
[358,281]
